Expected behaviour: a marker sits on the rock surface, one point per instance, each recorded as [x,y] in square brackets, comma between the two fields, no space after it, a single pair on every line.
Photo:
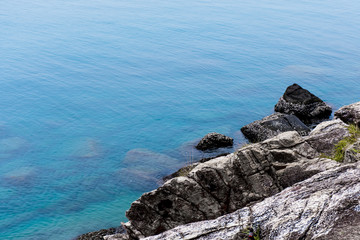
[352,153]
[349,114]
[325,206]
[326,135]
[227,183]
[214,140]
[305,105]
[186,169]
[273,125]
[99,235]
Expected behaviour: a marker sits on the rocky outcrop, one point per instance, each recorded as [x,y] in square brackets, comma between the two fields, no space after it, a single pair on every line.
[349,114]
[305,105]
[225,184]
[273,125]
[281,186]
[325,206]
[214,140]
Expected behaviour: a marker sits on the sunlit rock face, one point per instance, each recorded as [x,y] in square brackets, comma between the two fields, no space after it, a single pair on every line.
[349,114]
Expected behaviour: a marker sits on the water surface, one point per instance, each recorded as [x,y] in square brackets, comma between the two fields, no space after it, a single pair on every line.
[100,99]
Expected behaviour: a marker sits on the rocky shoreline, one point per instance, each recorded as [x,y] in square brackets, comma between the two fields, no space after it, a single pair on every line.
[284,184]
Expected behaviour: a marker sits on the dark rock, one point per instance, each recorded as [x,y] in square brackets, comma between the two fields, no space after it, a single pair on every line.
[99,235]
[213,141]
[325,206]
[273,125]
[349,114]
[306,106]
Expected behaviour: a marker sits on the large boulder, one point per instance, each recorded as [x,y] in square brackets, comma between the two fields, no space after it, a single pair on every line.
[302,103]
[349,114]
[273,125]
[214,140]
[326,135]
[325,206]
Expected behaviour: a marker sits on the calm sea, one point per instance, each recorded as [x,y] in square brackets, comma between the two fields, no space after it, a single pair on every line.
[101,98]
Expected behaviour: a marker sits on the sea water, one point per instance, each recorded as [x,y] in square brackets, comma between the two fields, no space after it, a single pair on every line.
[101,99]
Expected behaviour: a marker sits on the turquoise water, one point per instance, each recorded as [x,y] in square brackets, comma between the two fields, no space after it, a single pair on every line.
[100,99]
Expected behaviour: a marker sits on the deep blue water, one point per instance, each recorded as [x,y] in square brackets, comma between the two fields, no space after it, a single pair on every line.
[100,99]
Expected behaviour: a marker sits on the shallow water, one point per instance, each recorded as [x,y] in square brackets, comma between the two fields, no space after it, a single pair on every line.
[100,99]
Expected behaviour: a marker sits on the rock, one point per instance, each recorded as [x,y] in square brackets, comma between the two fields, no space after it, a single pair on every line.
[352,153]
[349,114]
[186,169]
[306,106]
[99,235]
[326,135]
[325,206]
[20,177]
[225,184]
[273,125]
[213,141]
[181,172]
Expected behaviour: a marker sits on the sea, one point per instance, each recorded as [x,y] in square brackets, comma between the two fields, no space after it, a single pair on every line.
[100,99]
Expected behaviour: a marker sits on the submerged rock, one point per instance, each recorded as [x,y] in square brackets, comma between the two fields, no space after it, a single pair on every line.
[273,125]
[325,206]
[214,140]
[349,114]
[20,177]
[144,169]
[305,105]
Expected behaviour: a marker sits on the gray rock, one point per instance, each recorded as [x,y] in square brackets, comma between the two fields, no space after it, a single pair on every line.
[273,125]
[326,135]
[349,114]
[214,140]
[325,206]
[352,153]
[305,105]
[186,169]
